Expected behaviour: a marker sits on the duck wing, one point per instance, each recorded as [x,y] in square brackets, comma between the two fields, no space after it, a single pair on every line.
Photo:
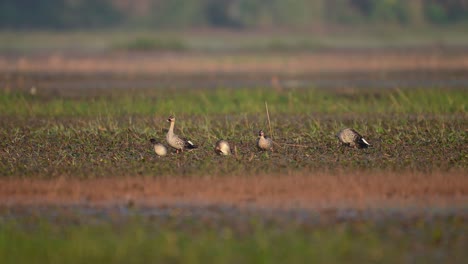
[189,144]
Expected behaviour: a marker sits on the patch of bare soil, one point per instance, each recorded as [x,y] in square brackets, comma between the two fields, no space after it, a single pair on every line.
[299,190]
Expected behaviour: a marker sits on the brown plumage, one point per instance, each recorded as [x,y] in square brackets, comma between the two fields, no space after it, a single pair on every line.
[175,141]
[222,147]
[159,148]
[352,138]
[263,142]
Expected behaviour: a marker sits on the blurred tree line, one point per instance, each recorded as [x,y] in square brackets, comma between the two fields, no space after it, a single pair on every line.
[69,14]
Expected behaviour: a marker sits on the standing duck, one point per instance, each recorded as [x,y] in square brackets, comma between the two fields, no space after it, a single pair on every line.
[175,141]
[352,138]
[264,143]
[159,148]
[222,147]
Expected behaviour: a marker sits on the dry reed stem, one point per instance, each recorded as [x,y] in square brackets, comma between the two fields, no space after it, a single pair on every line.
[268,118]
[293,145]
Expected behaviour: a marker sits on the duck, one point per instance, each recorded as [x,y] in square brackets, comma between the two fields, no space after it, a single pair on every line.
[178,143]
[263,142]
[222,147]
[159,148]
[350,137]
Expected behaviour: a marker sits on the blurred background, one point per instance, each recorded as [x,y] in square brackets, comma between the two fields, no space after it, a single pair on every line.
[283,43]
[231,14]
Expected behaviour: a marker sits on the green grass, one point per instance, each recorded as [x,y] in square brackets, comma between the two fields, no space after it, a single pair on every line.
[107,135]
[240,101]
[360,38]
[152,44]
[139,241]
[421,130]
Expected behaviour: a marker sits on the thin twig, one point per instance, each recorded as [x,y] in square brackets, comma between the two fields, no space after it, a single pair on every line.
[277,144]
[268,117]
[295,145]
[235,153]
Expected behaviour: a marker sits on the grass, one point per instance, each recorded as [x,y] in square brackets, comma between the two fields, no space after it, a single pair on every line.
[93,145]
[152,44]
[106,135]
[109,134]
[239,101]
[361,38]
[182,240]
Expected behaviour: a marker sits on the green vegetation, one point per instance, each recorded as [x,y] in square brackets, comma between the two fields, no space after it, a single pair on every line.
[67,135]
[371,37]
[440,240]
[106,135]
[58,14]
[240,101]
[152,44]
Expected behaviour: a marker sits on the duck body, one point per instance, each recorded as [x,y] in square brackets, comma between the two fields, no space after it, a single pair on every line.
[352,138]
[175,141]
[222,147]
[159,148]
[263,142]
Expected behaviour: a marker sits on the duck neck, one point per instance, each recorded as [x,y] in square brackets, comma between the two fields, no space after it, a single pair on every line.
[171,128]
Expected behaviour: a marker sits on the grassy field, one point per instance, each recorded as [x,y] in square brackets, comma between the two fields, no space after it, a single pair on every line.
[254,240]
[80,183]
[238,102]
[108,135]
[230,41]
[56,149]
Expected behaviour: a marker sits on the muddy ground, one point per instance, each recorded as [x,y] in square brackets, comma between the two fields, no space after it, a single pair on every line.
[306,190]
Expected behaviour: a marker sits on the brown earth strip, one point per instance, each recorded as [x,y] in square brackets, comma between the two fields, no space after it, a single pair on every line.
[271,63]
[298,190]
